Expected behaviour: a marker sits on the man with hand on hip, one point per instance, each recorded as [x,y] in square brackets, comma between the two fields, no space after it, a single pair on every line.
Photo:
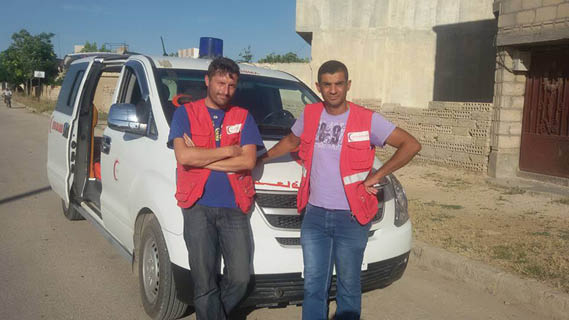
[336,141]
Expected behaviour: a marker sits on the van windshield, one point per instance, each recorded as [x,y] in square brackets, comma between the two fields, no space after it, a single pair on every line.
[274,103]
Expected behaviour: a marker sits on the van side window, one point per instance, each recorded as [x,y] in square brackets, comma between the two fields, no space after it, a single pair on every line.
[132,93]
[70,87]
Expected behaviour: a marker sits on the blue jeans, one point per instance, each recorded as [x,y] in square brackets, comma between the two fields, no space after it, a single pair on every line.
[210,232]
[328,238]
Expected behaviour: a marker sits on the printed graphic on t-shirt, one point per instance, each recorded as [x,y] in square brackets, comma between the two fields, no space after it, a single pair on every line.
[330,135]
[217,131]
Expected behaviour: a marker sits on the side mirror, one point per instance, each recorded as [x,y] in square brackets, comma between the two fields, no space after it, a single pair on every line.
[124,117]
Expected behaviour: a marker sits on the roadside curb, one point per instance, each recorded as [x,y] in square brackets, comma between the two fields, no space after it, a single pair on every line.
[547,301]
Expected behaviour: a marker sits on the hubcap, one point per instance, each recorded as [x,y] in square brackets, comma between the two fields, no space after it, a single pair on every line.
[151,269]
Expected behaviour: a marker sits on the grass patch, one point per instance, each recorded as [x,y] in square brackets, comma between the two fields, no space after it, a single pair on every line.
[451,206]
[562,201]
[441,217]
[536,271]
[514,190]
[37,105]
[542,233]
[502,252]
[515,254]
[564,234]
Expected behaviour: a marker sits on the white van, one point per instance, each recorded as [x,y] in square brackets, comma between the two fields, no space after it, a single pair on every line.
[121,177]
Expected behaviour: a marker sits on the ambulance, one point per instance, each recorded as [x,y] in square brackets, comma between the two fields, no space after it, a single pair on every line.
[110,165]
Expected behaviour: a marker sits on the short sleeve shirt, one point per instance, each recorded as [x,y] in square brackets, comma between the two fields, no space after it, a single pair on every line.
[217,191]
[326,188]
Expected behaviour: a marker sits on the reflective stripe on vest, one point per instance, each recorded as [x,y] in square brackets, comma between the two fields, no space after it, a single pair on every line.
[356,177]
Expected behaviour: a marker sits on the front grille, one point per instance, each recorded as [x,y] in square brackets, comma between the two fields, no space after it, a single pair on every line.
[296,241]
[275,200]
[288,201]
[284,221]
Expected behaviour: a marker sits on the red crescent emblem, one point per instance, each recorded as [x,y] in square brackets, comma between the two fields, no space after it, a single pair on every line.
[115,170]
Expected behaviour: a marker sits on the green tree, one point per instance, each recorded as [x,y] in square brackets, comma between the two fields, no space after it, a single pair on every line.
[26,54]
[245,55]
[288,57]
[92,47]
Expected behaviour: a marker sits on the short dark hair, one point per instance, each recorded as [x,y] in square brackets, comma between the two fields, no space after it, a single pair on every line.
[332,66]
[222,65]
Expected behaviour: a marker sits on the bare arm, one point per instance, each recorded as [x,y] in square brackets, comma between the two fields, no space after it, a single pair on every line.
[286,145]
[201,157]
[244,161]
[407,147]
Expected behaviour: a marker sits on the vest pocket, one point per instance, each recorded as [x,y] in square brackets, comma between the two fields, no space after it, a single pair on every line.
[360,155]
[245,182]
[200,140]
[368,202]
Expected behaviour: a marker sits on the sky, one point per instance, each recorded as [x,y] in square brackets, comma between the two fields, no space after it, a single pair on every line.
[265,25]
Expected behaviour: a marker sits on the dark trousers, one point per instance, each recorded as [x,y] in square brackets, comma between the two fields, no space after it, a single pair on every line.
[210,232]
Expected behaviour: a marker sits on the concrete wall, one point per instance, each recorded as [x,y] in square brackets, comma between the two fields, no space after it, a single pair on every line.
[531,21]
[452,134]
[394,49]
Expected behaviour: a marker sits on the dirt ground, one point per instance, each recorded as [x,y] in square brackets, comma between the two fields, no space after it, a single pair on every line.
[512,228]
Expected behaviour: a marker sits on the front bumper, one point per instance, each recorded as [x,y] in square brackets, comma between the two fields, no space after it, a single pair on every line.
[280,290]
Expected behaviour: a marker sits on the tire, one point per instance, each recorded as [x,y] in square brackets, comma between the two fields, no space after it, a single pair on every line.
[70,213]
[155,276]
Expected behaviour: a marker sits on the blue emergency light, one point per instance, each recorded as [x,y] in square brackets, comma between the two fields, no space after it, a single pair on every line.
[211,47]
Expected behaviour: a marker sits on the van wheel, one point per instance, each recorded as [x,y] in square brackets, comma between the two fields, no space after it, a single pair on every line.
[70,213]
[155,276]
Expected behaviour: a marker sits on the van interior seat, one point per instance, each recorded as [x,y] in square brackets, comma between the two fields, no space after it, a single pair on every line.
[95,161]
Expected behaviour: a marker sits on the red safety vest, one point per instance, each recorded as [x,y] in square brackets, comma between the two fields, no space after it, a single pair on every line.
[356,159]
[191,181]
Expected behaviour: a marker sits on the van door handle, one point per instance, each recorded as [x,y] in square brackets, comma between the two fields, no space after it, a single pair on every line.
[106,147]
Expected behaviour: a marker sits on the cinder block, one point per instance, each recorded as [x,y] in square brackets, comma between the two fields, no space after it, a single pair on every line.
[521,78]
[511,6]
[518,102]
[545,14]
[508,142]
[531,4]
[525,17]
[505,102]
[507,20]
[460,131]
[513,89]
[563,11]
[516,128]
[550,2]
[511,115]
[481,116]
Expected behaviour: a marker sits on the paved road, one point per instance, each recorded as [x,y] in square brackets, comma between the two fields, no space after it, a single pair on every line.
[51,268]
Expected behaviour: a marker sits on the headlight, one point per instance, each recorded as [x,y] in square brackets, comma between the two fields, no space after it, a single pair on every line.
[401,213]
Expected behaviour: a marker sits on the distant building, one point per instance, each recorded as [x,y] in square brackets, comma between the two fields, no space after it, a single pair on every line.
[77,48]
[189,53]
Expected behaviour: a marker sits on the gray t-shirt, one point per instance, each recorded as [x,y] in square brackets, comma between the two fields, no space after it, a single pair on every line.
[326,188]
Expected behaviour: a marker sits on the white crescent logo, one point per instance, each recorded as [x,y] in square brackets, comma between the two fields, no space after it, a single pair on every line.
[236,128]
[358,136]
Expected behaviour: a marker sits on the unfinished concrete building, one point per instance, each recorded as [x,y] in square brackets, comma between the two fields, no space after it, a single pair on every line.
[452,72]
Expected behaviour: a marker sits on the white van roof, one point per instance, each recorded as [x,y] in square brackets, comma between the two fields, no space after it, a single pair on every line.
[163,62]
